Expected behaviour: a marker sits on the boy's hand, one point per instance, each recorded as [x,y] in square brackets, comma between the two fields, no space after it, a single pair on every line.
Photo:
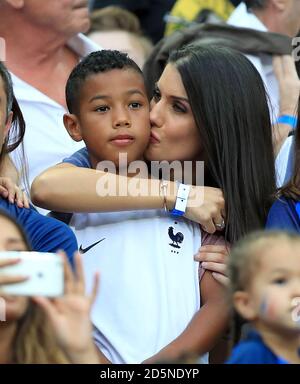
[214,258]
[69,316]
[13,193]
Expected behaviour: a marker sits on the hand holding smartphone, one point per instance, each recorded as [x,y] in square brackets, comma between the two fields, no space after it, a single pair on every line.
[44,273]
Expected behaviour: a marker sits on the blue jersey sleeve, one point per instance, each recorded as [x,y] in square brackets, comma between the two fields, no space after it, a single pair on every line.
[44,233]
[250,353]
[79,159]
[283,216]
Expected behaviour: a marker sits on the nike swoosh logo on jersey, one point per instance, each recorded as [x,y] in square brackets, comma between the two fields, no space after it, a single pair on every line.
[85,250]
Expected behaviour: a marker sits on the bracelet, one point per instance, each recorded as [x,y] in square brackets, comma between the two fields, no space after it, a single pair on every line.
[181,200]
[163,188]
[288,119]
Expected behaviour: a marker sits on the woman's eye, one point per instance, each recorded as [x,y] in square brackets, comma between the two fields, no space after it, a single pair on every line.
[179,108]
[156,95]
[103,108]
[135,105]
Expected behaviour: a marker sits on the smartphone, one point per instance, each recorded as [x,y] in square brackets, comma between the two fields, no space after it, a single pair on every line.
[45,273]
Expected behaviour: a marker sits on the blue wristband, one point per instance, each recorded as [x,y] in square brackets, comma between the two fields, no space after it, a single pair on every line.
[288,119]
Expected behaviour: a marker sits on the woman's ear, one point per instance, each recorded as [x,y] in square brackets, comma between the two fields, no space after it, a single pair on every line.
[72,126]
[244,305]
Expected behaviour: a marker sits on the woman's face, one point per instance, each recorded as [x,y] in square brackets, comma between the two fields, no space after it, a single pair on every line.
[4,122]
[11,240]
[174,134]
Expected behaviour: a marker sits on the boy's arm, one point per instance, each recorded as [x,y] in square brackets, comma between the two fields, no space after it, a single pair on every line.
[205,329]
[67,188]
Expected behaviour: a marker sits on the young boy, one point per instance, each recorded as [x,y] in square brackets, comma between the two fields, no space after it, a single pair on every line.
[149,302]
[265,288]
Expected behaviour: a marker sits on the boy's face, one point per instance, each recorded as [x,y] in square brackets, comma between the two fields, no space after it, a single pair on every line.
[114,115]
[274,294]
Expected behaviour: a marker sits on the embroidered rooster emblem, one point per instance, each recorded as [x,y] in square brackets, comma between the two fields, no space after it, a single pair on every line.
[176,238]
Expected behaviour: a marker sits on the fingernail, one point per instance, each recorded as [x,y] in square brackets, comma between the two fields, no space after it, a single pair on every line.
[204,264]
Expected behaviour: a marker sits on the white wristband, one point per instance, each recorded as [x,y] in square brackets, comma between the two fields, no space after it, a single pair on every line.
[181,200]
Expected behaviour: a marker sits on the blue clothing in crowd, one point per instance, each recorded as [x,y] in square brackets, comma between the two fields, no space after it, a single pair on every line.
[253,350]
[44,233]
[284,215]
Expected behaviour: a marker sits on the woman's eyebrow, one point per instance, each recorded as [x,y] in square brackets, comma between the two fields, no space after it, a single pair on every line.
[180,98]
[174,96]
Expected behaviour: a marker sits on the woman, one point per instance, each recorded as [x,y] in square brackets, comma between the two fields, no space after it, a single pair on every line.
[219,116]
[39,330]
[45,234]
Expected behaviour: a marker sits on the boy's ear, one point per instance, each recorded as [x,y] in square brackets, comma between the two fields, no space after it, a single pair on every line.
[244,305]
[72,126]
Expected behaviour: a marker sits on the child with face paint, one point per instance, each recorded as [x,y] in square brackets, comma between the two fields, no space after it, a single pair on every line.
[265,290]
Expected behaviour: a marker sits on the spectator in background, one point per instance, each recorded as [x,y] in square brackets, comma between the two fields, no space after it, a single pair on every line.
[39,330]
[116,28]
[43,44]
[45,234]
[150,13]
[265,289]
[285,212]
[282,17]
[186,12]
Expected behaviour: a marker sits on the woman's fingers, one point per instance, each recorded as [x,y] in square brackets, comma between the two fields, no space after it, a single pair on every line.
[46,306]
[224,280]
[68,274]
[215,267]
[3,192]
[26,202]
[209,226]
[10,279]
[7,262]
[211,257]
[5,279]
[80,283]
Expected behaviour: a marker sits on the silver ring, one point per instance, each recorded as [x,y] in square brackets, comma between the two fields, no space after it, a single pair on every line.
[220,226]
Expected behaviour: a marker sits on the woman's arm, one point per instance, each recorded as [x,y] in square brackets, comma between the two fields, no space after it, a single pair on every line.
[67,188]
[205,329]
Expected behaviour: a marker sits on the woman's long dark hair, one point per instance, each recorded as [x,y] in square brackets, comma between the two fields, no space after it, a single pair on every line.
[292,189]
[16,133]
[230,107]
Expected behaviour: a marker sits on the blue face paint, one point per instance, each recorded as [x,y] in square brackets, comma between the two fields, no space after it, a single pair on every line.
[263,307]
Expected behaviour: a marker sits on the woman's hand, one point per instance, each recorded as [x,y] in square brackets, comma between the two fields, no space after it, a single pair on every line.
[69,316]
[214,258]
[9,190]
[206,206]
[5,279]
